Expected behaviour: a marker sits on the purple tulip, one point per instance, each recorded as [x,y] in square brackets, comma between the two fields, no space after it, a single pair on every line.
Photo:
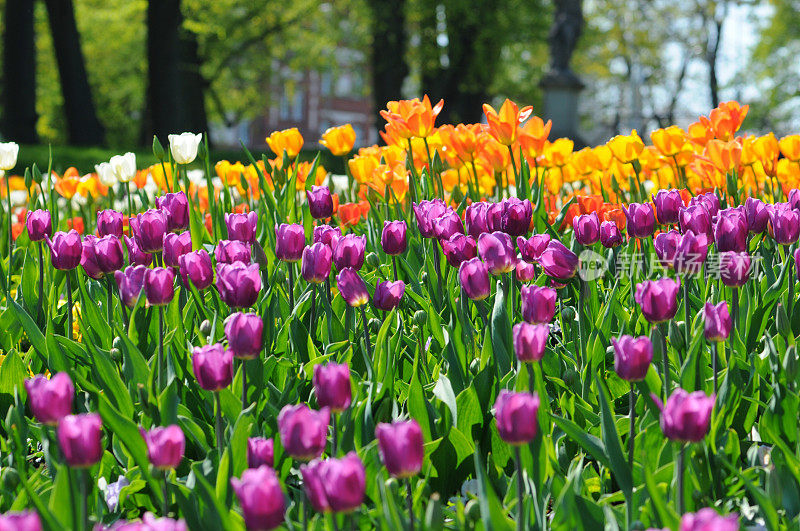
[525,272]
[320,202]
[757,215]
[707,519]
[516,217]
[388,294]
[459,248]
[401,447]
[332,386]
[426,212]
[213,366]
[230,251]
[290,239]
[349,252]
[730,231]
[717,321]
[336,485]
[691,253]
[130,283]
[242,227]
[328,235]
[538,304]
[641,219]
[109,223]
[316,264]
[196,267]
[475,218]
[734,269]
[793,198]
[393,237]
[165,446]
[108,254]
[176,208]
[50,400]
[632,357]
[665,245]
[238,284]
[260,451]
[494,217]
[159,286]
[474,277]
[304,432]
[39,225]
[685,417]
[586,228]
[20,521]
[497,251]
[149,523]
[260,495]
[668,204]
[79,437]
[66,249]
[244,332]
[149,229]
[175,246]
[517,417]
[89,258]
[695,218]
[532,248]
[558,262]
[658,299]
[709,200]
[610,236]
[448,224]
[137,257]
[352,287]
[784,223]
[530,341]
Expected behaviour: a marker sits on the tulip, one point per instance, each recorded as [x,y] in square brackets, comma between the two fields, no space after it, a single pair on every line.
[148,230]
[123,167]
[238,284]
[530,341]
[632,357]
[626,148]
[21,521]
[196,267]
[39,225]
[476,220]
[393,237]
[316,264]
[640,219]
[332,386]
[175,245]
[213,366]
[474,277]
[730,231]
[260,451]
[336,485]
[244,332]
[349,252]
[328,235]
[538,304]
[165,446]
[339,140]
[242,227]
[494,217]
[558,262]
[137,257]
[50,400]
[108,253]
[79,437]
[709,200]
[785,224]
[458,249]
[159,286]
[525,272]
[516,217]
[658,299]
[260,495]
[497,251]
[288,140]
[532,248]
[517,417]
[184,147]
[412,118]
[290,239]
[734,268]
[89,258]
[401,447]
[707,519]
[447,224]
[230,251]
[695,218]
[352,287]
[504,125]
[757,215]
[151,523]
[109,223]
[8,155]
[320,202]
[426,212]
[66,250]
[303,431]
[176,209]
[388,294]
[130,283]
[586,228]
[685,417]
[665,245]
[690,253]
[717,321]
[105,174]
[610,236]
[668,204]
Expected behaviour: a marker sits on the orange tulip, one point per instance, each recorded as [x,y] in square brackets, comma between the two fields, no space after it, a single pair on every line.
[557,154]
[76,223]
[493,155]
[669,141]
[533,136]
[727,118]
[504,126]
[626,148]
[362,167]
[700,132]
[767,150]
[412,118]
[339,140]
[725,156]
[303,170]
[617,215]
[289,140]
[463,140]
[790,147]
[67,185]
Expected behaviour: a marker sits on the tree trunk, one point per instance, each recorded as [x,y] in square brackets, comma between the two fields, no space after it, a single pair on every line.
[389,68]
[19,73]
[83,126]
[193,112]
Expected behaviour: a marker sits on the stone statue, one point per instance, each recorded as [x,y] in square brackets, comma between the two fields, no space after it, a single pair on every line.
[567,28]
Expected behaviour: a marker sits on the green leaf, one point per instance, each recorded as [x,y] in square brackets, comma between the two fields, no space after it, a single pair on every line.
[591,444]
[611,441]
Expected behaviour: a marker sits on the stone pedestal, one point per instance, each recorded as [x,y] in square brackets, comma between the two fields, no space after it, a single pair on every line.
[561,91]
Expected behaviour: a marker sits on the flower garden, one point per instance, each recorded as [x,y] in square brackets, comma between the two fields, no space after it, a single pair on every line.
[476,327]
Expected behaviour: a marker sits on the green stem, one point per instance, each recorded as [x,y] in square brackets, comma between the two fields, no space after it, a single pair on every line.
[218,423]
[244,384]
[632,432]
[166,494]
[84,499]
[410,504]
[394,267]
[679,482]
[334,438]
[665,363]
[412,183]
[290,289]
[438,267]
[735,307]
[520,490]
[10,238]
[160,348]
[40,305]
[716,352]
[69,304]
[110,301]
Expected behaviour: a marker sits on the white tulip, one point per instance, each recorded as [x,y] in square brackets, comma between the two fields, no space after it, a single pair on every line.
[105,174]
[197,176]
[124,167]
[184,147]
[8,155]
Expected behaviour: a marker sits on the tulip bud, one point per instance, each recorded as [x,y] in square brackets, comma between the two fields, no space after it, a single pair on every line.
[676,336]
[175,207]
[349,252]
[388,294]
[393,237]
[532,248]
[517,417]
[420,317]
[320,202]
[205,327]
[473,510]
[373,261]
[332,386]
[66,249]
[159,286]
[782,321]
[352,287]
[39,225]
[658,299]
[717,321]
[183,147]
[586,228]
[530,341]
[632,357]
[50,400]
[686,416]
[213,366]
[401,447]
[242,227]
[640,220]
[304,432]
[434,515]
[497,252]
[668,203]
[79,437]
[260,495]
[195,267]
[165,446]
[244,332]
[260,451]
[538,304]
[558,262]
[238,284]
[525,272]
[336,485]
